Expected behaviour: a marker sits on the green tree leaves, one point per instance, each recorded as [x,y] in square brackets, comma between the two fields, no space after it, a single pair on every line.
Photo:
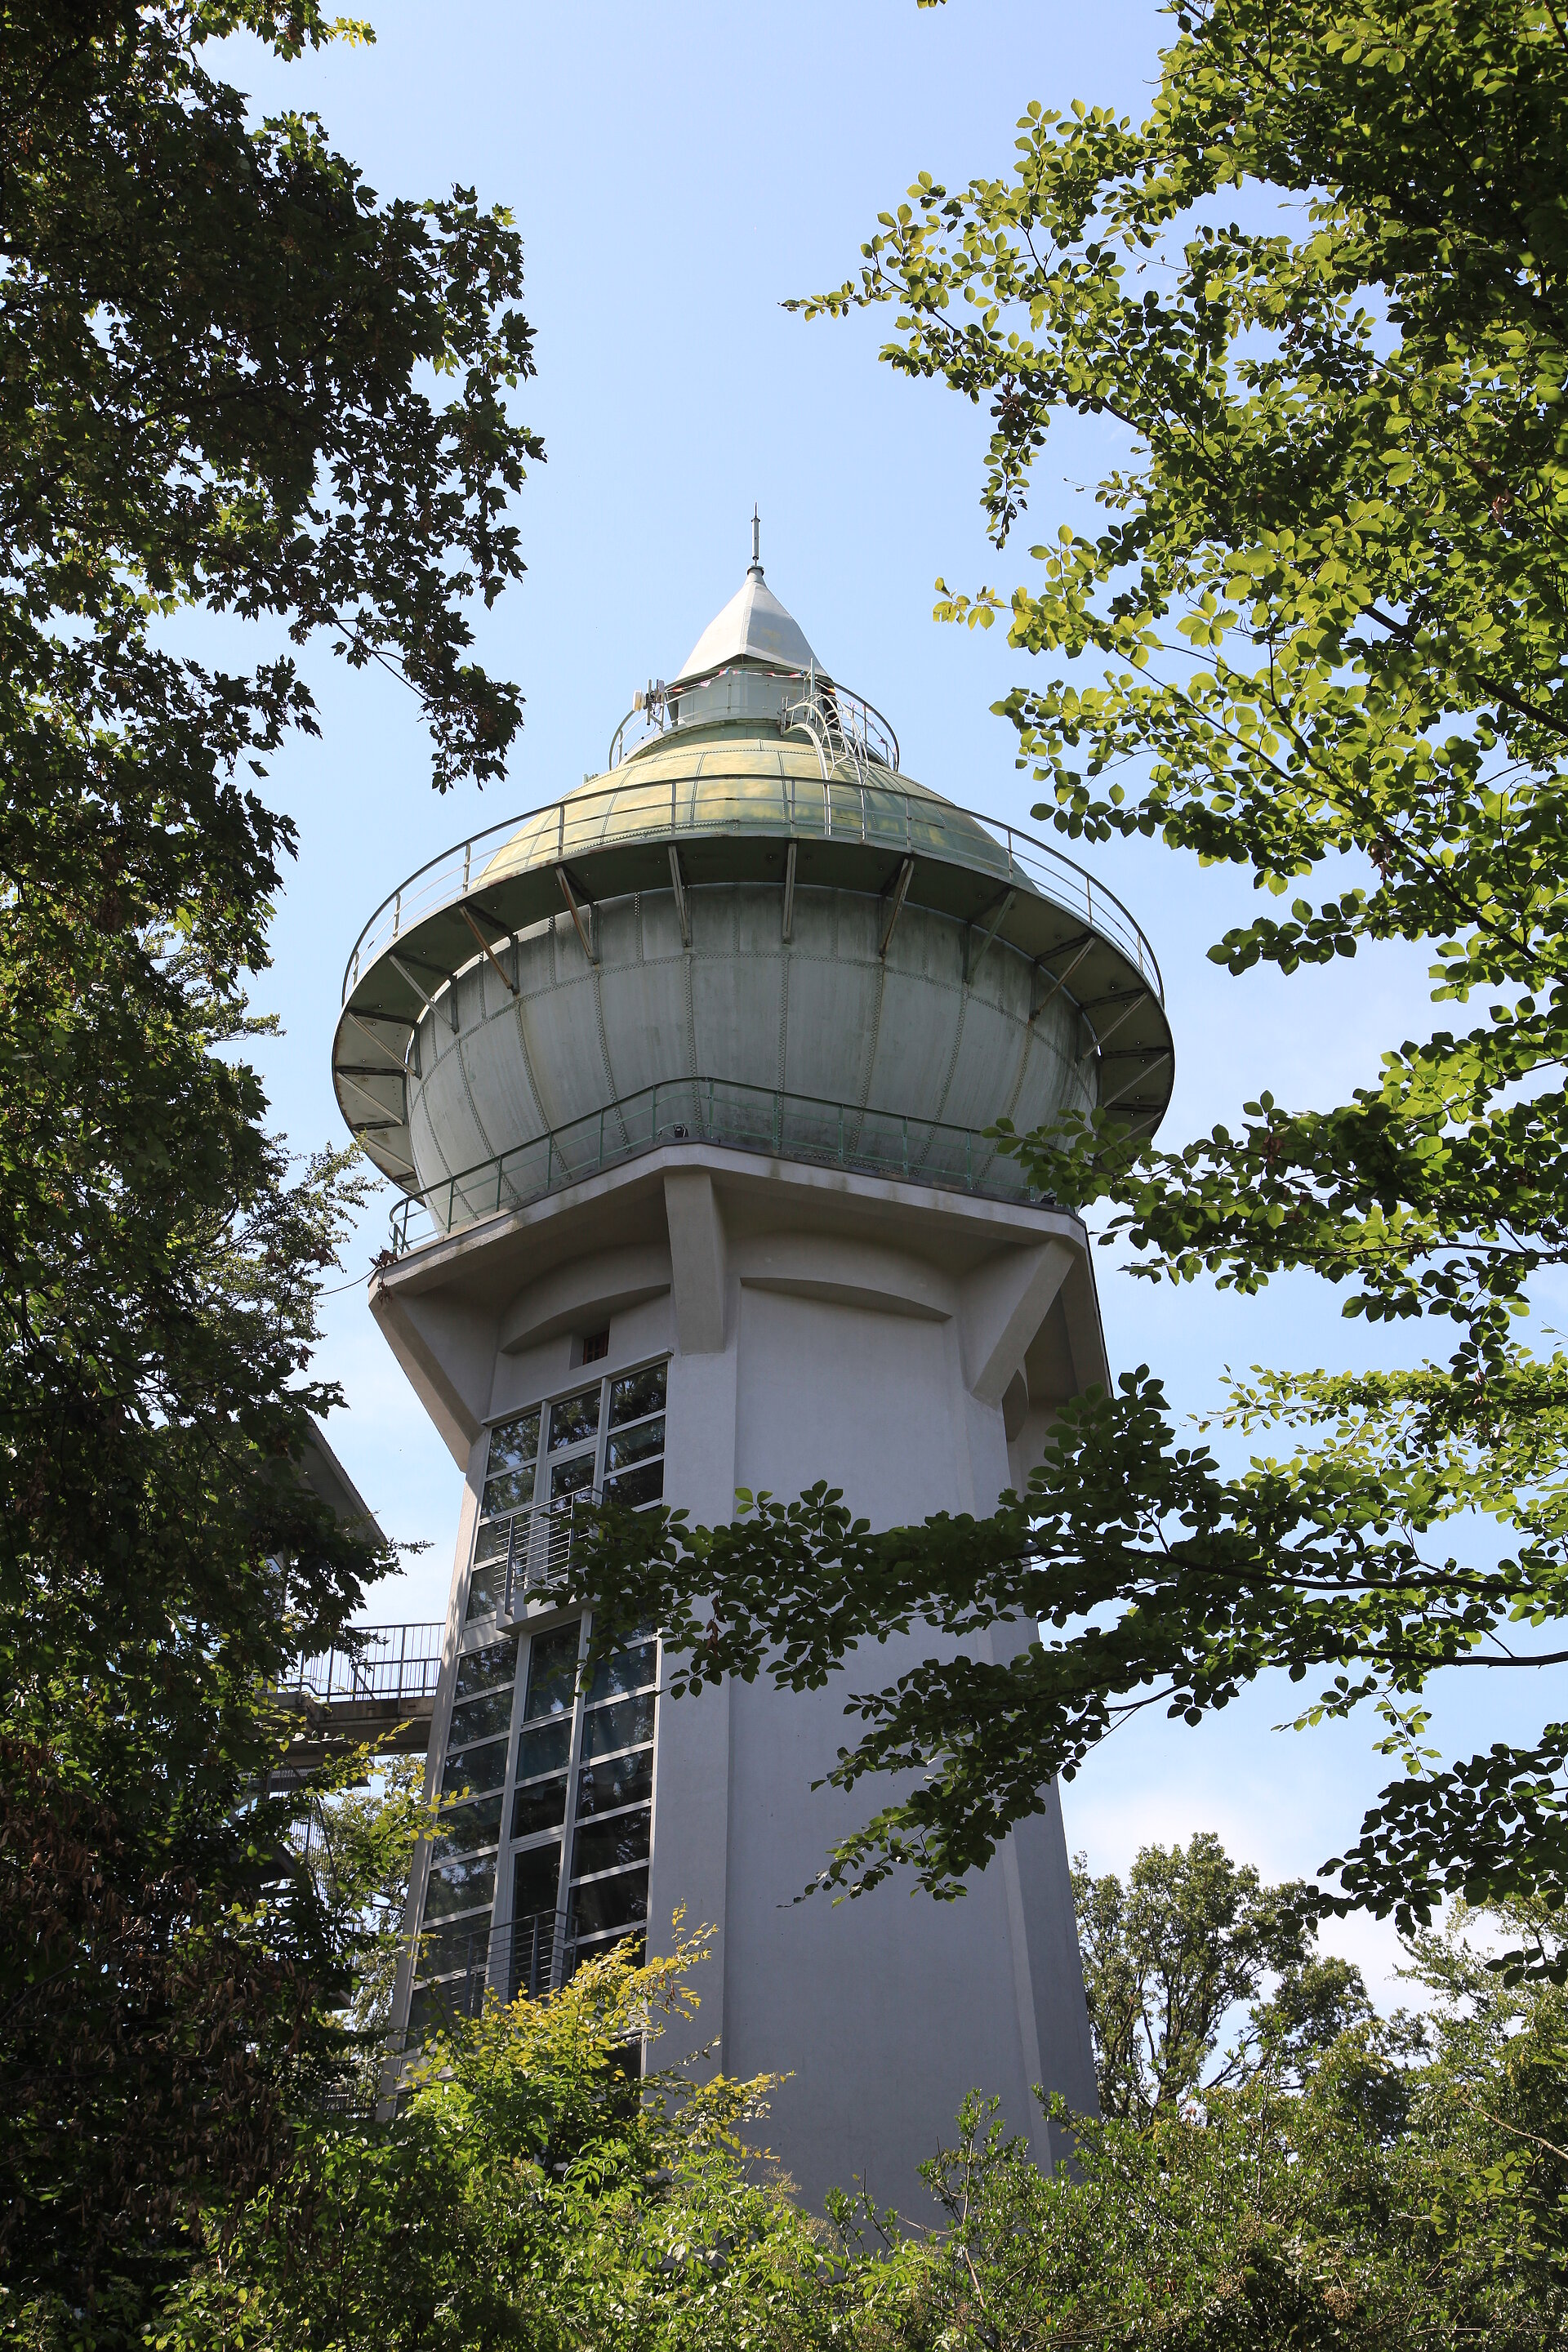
[231,378]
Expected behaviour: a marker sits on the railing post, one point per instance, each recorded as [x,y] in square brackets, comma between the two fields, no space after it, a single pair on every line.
[712,1137]
[904,1124]
[841,1135]
[397,913]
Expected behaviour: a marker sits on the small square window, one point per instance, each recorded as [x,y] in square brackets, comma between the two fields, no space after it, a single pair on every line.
[596,1345]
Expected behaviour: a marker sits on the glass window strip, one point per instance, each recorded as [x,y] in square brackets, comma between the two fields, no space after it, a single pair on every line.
[627,1403]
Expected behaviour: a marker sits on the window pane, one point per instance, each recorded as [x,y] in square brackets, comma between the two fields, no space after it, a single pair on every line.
[552,1670]
[481,1669]
[459,1887]
[535,1879]
[627,1724]
[545,1746]
[628,1782]
[628,1670]
[638,1393]
[467,1826]
[636,1444]
[508,1492]
[607,1845]
[476,1769]
[632,1488]
[486,1589]
[571,1478]
[610,1902]
[481,1718]
[576,1419]
[435,2009]
[513,1443]
[541,1805]
[492,1541]
[464,1944]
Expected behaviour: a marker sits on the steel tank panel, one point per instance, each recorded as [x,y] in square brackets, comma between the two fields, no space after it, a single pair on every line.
[822,1014]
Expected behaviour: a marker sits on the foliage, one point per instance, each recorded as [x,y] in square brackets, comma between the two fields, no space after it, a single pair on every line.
[362,1819]
[1326,595]
[149,2044]
[1373,2183]
[1385,2182]
[529,2192]
[231,379]
[1169,1957]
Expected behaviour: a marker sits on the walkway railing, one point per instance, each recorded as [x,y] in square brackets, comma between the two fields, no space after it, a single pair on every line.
[455,1967]
[712,1110]
[385,1662]
[848,808]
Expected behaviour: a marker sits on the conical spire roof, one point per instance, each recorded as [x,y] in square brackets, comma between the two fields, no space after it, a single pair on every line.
[753,624]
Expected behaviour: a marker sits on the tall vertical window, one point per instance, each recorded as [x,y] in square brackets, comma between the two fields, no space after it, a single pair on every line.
[581,1798]
[459,1894]
[553,1783]
[507,1492]
[607,1437]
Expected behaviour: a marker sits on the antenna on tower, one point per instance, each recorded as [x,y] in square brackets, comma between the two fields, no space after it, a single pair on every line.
[756,540]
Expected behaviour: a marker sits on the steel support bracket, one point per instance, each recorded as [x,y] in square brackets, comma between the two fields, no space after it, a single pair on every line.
[575,909]
[682,906]
[789,894]
[898,893]
[993,921]
[495,962]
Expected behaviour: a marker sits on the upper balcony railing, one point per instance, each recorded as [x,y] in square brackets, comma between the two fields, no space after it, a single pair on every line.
[723,1111]
[871,809]
[842,724]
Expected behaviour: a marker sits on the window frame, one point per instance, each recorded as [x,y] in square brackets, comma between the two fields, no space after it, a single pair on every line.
[565,1834]
[527,1516]
[522,1625]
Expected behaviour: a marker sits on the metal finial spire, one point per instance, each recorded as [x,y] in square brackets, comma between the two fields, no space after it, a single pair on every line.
[756,540]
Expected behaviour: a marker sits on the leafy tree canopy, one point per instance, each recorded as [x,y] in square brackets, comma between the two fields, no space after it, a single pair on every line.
[1325,603]
[1171,1957]
[1382,2182]
[232,379]
[532,2190]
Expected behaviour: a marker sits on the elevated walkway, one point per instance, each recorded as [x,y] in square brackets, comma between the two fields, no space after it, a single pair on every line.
[382,1690]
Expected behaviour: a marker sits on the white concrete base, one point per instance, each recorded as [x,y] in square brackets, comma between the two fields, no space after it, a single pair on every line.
[909,1346]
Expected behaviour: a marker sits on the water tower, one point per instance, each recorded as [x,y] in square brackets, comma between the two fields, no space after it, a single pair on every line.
[684,1079]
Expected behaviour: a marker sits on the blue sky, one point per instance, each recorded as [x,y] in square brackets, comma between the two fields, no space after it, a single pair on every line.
[675,174]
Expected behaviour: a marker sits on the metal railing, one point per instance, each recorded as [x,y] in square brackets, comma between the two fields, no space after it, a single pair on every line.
[876,812]
[845,729]
[725,1111]
[385,1662]
[856,729]
[458,1966]
[539,1542]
